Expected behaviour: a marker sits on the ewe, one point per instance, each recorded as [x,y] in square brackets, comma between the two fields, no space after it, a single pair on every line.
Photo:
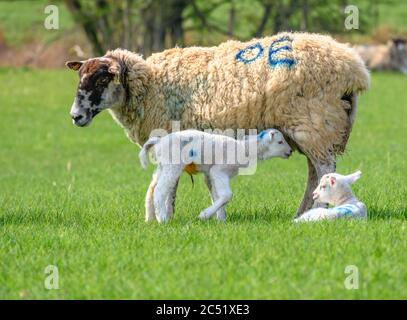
[335,189]
[305,85]
[385,57]
[219,157]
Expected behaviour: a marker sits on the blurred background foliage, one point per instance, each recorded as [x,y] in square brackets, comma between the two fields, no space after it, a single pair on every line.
[153,25]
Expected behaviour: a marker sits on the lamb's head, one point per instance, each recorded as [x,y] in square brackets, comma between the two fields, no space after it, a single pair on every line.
[271,143]
[333,186]
[100,87]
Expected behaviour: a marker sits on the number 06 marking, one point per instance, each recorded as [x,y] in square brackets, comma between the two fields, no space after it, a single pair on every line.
[281,45]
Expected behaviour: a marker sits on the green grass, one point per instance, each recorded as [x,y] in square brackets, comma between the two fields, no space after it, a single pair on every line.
[73,198]
[393,13]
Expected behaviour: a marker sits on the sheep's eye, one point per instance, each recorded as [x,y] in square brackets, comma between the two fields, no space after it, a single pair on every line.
[103,80]
[280,142]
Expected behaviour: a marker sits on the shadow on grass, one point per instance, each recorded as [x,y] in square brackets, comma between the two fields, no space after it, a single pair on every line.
[377,213]
[262,215]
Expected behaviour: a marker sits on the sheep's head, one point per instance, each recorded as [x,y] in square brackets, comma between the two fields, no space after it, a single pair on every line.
[399,45]
[271,143]
[99,88]
[333,185]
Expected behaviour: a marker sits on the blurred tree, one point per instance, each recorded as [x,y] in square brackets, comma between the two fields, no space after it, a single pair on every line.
[152,25]
[144,26]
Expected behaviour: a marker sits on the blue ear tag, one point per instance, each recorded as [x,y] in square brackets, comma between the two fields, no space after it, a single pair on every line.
[261,134]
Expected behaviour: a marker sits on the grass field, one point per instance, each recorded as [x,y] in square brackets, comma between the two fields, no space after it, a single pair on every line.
[73,198]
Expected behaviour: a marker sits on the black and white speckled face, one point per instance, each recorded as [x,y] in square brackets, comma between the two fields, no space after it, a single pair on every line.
[400,45]
[98,89]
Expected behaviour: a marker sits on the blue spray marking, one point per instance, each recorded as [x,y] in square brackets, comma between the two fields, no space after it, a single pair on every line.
[240,56]
[275,50]
[346,210]
[192,153]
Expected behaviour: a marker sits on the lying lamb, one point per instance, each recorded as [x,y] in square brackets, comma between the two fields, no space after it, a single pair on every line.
[192,151]
[335,189]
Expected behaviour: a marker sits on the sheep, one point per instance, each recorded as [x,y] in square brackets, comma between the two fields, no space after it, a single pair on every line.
[391,56]
[304,85]
[335,189]
[218,157]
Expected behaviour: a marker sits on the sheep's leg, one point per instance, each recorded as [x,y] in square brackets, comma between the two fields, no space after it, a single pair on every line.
[220,183]
[312,183]
[149,204]
[166,184]
[170,202]
[221,213]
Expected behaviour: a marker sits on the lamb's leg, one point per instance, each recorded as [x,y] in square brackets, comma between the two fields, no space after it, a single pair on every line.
[220,183]
[312,183]
[166,184]
[221,213]
[149,204]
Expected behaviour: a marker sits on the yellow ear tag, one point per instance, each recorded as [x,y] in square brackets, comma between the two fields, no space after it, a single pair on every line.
[116,80]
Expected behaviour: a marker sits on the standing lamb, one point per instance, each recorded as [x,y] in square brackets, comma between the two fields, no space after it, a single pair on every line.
[305,85]
[219,157]
[335,189]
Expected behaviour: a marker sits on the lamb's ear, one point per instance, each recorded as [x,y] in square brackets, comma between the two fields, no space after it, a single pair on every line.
[332,181]
[271,134]
[74,65]
[352,178]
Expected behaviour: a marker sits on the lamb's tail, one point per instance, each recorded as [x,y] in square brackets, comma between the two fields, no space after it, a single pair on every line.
[143,155]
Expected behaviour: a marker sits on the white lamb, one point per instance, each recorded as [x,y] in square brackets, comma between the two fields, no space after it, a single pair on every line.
[335,189]
[218,157]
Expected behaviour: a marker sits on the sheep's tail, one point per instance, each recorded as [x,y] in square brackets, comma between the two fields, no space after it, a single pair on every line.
[143,155]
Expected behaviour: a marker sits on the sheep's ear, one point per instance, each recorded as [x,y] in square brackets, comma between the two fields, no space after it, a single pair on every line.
[352,178]
[332,181]
[271,134]
[74,65]
[114,68]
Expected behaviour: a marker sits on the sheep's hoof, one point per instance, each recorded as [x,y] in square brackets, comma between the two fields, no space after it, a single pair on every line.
[163,219]
[204,215]
[149,219]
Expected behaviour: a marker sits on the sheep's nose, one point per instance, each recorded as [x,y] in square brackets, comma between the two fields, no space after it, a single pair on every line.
[76,118]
